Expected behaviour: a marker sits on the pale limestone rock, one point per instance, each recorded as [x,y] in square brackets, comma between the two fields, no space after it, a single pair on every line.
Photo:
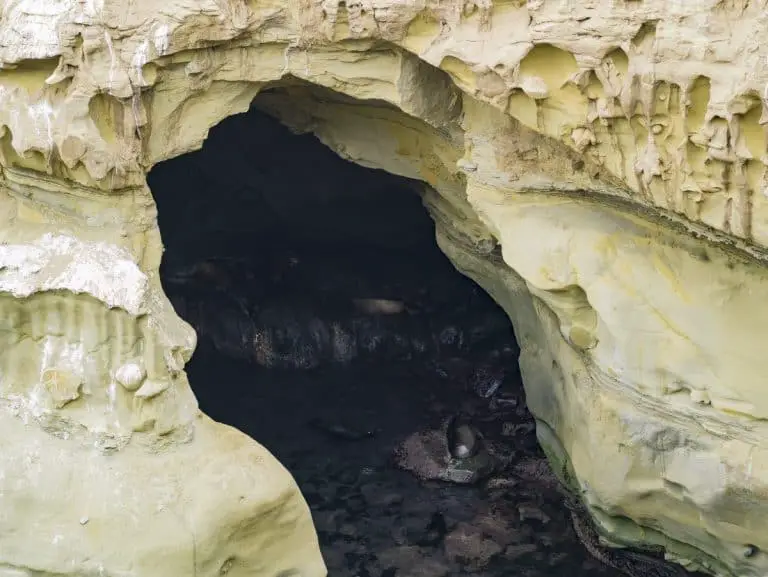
[615,150]
[217,505]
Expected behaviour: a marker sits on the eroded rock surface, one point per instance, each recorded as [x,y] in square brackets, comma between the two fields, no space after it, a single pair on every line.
[615,151]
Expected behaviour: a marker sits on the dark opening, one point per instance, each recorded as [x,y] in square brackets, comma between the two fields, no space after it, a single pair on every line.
[333,330]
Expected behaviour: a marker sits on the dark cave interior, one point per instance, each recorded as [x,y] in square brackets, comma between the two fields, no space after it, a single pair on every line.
[334,331]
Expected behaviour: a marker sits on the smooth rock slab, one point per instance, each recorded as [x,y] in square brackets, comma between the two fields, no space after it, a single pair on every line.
[220,504]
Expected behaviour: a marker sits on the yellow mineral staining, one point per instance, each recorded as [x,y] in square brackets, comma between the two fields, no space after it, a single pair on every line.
[665,99]
[523,108]
[595,87]
[107,114]
[460,73]
[30,75]
[152,388]
[421,32]
[645,36]
[582,338]
[546,66]
[501,7]
[149,72]
[697,104]
[553,65]
[615,66]
[62,385]
[339,17]
[751,140]
[491,84]
[33,160]
[583,138]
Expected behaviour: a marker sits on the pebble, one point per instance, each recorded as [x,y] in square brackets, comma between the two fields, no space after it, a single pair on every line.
[515,429]
[348,529]
[501,483]
[497,527]
[504,402]
[516,551]
[469,545]
[528,511]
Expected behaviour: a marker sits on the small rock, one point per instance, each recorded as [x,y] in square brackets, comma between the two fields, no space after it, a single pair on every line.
[348,530]
[538,471]
[423,454]
[487,380]
[426,454]
[529,511]
[497,528]
[342,431]
[471,470]
[557,557]
[499,483]
[517,429]
[503,452]
[468,545]
[504,401]
[517,551]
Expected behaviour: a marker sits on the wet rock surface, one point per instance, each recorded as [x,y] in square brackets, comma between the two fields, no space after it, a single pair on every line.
[415,461]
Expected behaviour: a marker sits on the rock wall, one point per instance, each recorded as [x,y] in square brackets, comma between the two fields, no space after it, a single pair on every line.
[613,149]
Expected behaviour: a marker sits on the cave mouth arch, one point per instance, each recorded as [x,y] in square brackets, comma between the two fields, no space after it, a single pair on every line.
[333,330]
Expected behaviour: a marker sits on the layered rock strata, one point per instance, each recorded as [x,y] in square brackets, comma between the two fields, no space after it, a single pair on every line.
[599,167]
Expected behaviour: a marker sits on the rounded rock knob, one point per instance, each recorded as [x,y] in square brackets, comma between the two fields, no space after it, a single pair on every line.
[130,375]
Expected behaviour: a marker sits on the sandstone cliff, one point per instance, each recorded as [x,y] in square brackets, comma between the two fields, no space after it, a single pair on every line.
[614,149]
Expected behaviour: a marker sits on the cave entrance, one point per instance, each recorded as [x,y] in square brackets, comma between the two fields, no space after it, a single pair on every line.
[333,330]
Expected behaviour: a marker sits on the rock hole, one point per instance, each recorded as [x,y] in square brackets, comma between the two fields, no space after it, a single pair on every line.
[30,75]
[645,36]
[107,115]
[751,139]
[550,63]
[619,60]
[697,102]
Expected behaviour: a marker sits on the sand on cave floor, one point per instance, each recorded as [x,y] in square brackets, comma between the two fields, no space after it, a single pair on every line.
[374,520]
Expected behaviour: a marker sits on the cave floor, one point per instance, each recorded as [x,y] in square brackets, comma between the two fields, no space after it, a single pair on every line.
[375,520]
